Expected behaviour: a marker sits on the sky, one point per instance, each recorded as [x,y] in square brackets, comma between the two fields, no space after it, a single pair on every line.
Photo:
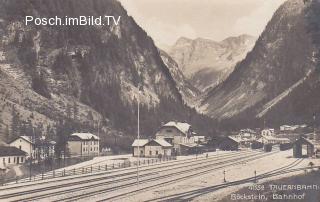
[167,20]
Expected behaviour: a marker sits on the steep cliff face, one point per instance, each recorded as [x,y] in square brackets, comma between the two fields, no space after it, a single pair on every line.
[189,92]
[207,63]
[89,73]
[283,62]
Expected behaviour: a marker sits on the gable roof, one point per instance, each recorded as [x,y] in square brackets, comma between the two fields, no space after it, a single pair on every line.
[163,142]
[143,142]
[307,141]
[24,137]
[11,151]
[183,127]
[85,136]
[140,142]
[235,139]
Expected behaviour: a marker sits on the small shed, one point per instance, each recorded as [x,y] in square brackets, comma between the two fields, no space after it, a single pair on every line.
[157,148]
[297,147]
[138,147]
[229,144]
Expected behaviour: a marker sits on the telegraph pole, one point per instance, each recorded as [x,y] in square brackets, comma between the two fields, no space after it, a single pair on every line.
[314,128]
[99,137]
[30,159]
[255,176]
[138,137]
[32,144]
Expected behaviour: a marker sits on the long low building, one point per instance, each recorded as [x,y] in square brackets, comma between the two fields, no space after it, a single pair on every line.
[274,140]
[11,155]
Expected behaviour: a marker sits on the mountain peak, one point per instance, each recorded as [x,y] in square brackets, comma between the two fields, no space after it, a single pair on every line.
[183,40]
[276,75]
[207,62]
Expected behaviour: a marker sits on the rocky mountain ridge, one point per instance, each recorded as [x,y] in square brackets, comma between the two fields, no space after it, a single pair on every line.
[207,63]
[278,79]
[88,75]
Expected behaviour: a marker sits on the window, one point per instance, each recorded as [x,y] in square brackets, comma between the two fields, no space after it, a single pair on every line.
[157,152]
[169,131]
[150,153]
[14,159]
[21,159]
[9,160]
[20,147]
[141,151]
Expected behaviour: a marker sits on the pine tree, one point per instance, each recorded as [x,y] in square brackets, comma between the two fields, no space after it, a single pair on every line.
[15,124]
[68,111]
[75,111]
[7,134]
[1,121]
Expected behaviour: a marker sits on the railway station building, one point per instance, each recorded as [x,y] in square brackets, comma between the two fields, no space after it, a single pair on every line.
[180,135]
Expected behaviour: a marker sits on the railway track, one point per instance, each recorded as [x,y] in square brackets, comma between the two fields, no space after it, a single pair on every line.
[132,171]
[110,172]
[187,196]
[150,175]
[171,178]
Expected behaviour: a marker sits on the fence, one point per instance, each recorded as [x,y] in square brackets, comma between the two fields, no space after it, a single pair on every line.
[83,170]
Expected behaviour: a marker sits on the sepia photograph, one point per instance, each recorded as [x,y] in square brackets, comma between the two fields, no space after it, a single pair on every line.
[160,100]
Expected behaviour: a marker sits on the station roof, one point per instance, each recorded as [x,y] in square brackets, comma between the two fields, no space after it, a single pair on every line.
[140,143]
[183,127]
[85,136]
[11,151]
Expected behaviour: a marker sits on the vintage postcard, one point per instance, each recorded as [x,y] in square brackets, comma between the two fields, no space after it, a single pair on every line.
[160,100]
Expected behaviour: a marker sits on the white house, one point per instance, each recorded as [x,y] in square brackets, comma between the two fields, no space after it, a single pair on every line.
[268,132]
[247,135]
[25,144]
[83,144]
[39,148]
[177,134]
[151,148]
[11,155]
